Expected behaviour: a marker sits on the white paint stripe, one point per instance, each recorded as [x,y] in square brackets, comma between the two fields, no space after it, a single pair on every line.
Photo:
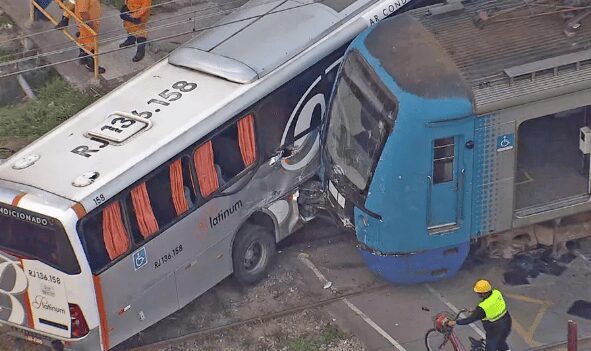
[304,258]
[453,308]
[372,324]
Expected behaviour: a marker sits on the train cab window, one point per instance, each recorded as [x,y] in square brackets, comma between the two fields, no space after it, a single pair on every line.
[443,160]
[158,201]
[104,236]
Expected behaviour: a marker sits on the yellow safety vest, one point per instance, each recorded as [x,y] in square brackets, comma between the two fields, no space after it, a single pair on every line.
[494,306]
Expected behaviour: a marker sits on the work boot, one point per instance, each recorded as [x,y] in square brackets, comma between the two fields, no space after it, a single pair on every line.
[141,50]
[63,23]
[89,64]
[83,57]
[128,42]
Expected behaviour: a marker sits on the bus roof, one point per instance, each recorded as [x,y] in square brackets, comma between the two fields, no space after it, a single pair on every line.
[499,47]
[245,46]
[75,152]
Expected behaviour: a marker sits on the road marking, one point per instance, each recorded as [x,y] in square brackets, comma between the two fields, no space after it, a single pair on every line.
[304,258]
[524,334]
[528,335]
[453,308]
[529,299]
[372,324]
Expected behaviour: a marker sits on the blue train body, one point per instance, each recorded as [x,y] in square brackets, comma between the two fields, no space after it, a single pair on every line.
[432,184]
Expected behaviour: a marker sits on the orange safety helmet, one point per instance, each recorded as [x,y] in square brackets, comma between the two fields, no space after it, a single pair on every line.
[482,286]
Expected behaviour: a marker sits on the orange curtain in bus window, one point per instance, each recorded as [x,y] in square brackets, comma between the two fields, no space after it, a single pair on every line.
[246,140]
[207,177]
[177,187]
[114,233]
[144,214]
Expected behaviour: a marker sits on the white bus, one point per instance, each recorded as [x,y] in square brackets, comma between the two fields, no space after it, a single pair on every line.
[185,174]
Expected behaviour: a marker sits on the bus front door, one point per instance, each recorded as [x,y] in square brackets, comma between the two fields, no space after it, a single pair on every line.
[449,185]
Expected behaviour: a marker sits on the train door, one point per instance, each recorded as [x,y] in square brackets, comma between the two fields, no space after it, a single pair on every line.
[552,172]
[449,180]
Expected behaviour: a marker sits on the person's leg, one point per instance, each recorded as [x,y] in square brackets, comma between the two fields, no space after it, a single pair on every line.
[492,342]
[141,50]
[131,39]
[65,16]
[87,39]
[142,35]
[503,346]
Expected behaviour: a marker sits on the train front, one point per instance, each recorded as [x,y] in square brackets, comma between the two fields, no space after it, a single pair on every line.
[398,152]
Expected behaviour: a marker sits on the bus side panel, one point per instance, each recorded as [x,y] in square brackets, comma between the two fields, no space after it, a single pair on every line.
[196,253]
[293,110]
[205,242]
[138,294]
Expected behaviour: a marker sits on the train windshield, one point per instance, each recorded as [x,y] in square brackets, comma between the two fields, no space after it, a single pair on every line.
[33,236]
[360,118]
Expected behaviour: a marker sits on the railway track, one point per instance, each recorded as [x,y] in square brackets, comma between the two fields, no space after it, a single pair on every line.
[313,234]
[262,318]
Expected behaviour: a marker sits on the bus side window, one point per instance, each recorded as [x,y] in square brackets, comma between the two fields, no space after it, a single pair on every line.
[182,185]
[443,160]
[235,148]
[104,236]
[207,175]
[159,200]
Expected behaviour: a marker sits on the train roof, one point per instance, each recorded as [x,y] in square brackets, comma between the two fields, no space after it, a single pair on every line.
[77,162]
[504,50]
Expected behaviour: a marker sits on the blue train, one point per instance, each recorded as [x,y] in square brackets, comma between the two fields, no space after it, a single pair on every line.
[460,123]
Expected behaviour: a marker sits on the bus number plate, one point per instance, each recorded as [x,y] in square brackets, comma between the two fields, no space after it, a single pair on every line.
[117,128]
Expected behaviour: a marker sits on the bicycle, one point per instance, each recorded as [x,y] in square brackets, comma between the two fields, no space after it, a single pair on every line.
[443,338]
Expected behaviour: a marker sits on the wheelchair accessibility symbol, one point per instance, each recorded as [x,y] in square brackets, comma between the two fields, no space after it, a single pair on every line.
[140,258]
[505,142]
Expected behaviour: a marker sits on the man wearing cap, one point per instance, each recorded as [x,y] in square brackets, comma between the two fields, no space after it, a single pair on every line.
[492,311]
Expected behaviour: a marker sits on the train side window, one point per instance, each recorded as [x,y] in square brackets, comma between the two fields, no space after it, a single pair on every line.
[443,160]
[158,201]
[104,236]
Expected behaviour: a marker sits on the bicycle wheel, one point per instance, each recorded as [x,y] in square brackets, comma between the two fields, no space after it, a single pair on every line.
[436,341]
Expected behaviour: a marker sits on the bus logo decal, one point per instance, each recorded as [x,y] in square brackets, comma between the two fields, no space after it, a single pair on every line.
[17,285]
[222,215]
[41,302]
[140,258]
[301,120]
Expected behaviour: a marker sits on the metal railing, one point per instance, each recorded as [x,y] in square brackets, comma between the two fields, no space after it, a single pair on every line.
[95,55]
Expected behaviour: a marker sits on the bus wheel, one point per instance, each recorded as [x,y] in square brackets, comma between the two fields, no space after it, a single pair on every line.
[253,250]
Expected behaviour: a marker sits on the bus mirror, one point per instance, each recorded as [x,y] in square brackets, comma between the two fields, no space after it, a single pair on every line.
[286,152]
[281,155]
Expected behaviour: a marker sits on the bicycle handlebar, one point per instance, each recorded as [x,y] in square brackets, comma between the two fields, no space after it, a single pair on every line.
[460,312]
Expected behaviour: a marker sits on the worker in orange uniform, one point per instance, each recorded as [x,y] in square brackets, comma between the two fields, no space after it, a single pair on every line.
[70,5]
[135,14]
[89,11]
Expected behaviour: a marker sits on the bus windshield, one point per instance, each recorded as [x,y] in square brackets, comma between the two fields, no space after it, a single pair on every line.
[360,118]
[33,236]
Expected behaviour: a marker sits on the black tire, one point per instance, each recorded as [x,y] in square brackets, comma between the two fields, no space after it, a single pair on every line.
[436,341]
[252,253]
